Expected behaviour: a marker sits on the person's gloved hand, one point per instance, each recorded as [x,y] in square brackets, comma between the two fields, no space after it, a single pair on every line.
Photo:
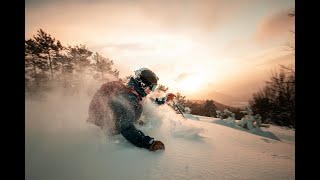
[156,145]
[170,97]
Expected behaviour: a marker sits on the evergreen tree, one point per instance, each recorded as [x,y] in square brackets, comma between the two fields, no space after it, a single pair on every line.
[35,66]
[104,66]
[48,49]
[209,108]
[181,100]
[79,55]
[162,88]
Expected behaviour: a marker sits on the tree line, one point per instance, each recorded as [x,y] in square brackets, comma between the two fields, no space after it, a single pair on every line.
[275,102]
[47,60]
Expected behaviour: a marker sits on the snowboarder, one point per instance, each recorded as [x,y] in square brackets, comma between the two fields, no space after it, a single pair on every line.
[116,107]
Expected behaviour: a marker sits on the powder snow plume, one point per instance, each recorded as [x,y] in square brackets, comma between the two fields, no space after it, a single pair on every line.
[60,144]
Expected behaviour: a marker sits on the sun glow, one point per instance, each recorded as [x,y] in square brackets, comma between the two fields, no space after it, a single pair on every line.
[190,84]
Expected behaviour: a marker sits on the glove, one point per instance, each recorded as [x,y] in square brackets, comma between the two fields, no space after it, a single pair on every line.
[156,145]
[170,97]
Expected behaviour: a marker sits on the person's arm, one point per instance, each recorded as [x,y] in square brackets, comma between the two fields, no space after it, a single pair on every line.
[125,114]
[125,117]
[137,137]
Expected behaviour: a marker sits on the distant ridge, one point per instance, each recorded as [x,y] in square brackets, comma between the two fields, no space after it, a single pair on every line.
[220,106]
[222,98]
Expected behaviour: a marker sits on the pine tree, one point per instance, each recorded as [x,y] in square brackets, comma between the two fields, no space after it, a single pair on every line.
[48,49]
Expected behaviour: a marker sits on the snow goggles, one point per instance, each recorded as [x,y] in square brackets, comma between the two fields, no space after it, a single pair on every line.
[153,87]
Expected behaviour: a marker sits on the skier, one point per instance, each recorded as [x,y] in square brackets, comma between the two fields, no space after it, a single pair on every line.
[116,107]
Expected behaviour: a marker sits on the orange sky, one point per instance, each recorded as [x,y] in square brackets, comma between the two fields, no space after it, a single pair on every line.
[203,49]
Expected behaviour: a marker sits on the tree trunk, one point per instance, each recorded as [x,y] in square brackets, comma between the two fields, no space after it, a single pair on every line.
[35,73]
[50,64]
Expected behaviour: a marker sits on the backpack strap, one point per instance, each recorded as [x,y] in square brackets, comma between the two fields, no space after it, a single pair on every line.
[131,89]
[115,87]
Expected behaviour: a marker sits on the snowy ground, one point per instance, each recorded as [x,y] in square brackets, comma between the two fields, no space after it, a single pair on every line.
[59,145]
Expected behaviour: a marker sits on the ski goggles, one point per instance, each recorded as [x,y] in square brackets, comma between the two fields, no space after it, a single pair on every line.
[153,87]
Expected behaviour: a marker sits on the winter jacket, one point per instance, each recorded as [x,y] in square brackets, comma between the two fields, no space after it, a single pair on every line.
[124,109]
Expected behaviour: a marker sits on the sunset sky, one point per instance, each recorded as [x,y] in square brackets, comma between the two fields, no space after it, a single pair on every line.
[201,48]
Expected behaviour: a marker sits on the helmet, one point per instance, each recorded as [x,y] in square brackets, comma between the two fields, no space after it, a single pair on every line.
[147,78]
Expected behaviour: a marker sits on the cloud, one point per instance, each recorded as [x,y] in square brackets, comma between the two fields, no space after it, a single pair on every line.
[101,17]
[268,57]
[194,15]
[123,47]
[133,46]
[183,76]
[33,3]
[284,58]
[274,25]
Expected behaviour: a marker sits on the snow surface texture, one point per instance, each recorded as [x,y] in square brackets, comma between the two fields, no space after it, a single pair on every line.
[60,145]
[258,131]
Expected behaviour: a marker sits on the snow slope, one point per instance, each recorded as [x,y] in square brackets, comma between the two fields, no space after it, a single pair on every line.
[60,145]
